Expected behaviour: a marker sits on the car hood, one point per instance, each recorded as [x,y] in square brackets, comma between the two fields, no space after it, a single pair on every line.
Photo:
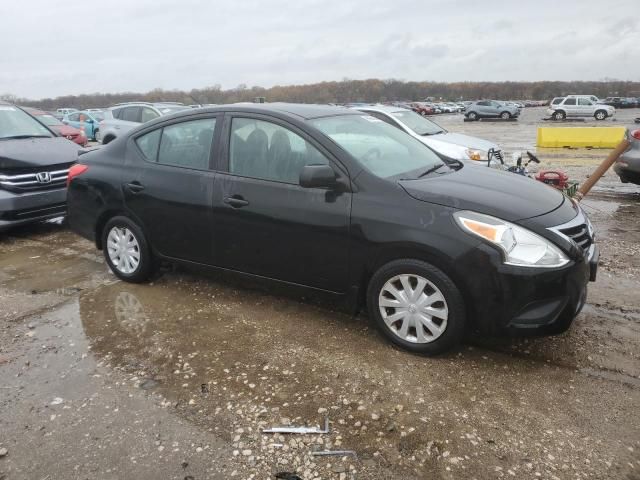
[36,152]
[464,141]
[485,190]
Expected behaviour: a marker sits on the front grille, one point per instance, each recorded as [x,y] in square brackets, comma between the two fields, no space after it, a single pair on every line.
[35,179]
[579,234]
[579,230]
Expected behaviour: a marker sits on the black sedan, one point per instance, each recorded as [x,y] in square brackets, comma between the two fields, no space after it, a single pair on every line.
[339,202]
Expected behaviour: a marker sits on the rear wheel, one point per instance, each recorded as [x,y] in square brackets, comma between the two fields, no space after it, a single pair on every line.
[472,116]
[600,115]
[126,250]
[416,306]
[559,115]
[505,115]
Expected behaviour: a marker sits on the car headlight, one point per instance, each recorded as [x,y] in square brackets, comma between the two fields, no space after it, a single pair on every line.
[478,155]
[520,246]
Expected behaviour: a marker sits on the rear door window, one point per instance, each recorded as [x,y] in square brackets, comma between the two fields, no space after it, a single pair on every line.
[187,144]
[570,101]
[149,143]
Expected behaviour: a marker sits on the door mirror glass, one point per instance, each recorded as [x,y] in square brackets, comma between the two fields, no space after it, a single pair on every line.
[317,176]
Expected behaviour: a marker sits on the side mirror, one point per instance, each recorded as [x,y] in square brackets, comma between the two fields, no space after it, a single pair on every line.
[317,176]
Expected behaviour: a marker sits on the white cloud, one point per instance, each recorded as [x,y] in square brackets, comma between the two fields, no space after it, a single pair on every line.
[137,45]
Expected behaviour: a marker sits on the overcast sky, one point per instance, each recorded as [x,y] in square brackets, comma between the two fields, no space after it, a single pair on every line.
[50,48]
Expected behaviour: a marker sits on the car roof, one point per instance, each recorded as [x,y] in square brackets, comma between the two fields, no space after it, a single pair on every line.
[382,108]
[296,110]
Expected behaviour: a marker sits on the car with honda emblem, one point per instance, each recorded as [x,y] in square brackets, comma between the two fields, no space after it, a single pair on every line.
[34,164]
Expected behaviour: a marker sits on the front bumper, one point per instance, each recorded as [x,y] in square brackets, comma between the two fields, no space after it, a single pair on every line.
[521,301]
[19,209]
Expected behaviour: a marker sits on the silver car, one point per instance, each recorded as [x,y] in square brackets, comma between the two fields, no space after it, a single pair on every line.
[491,109]
[452,145]
[123,117]
[628,165]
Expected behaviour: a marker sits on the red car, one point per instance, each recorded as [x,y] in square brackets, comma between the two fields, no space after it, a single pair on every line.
[421,108]
[71,133]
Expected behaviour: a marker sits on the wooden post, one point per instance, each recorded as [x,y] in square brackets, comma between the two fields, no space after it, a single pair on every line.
[602,168]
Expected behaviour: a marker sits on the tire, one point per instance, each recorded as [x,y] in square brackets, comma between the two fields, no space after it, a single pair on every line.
[600,115]
[505,115]
[128,271]
[559,115]
[446,326]
[472,116]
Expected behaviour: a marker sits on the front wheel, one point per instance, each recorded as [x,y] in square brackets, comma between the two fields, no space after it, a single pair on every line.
[126,250]
[600,115]
[505,115]
[416,306]
[472,116]
[559,115]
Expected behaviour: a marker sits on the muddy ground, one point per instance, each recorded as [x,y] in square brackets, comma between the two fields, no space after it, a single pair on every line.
[175,379]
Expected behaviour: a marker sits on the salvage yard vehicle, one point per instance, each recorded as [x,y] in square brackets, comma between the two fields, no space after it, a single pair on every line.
[491,109]
[89,120]
[123,117]
[340,202]
[628,165]
[34,163]
[69,132]
[452,145]
[580,106]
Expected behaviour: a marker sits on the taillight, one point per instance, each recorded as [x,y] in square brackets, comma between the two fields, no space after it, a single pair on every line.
[76,170]
[636,134]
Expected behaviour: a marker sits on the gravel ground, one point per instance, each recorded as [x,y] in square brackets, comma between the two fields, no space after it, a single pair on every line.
[177,378]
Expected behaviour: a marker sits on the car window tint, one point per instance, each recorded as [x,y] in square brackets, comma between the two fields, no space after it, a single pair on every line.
[268,151]
[483,104]
[148,114]
[148,144]
[570,101]
[187,144]
[584,101]
[131,114]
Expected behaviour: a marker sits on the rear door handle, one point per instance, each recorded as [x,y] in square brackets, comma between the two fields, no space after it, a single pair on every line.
[236,201]
[134,187]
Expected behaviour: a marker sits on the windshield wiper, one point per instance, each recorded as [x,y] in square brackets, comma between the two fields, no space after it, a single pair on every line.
[432,133]
[21,137]
[431,170]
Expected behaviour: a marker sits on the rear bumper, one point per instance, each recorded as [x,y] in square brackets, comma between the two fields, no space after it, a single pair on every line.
[19,209]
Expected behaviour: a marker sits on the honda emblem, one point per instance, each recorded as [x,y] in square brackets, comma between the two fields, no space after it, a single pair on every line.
[43,177]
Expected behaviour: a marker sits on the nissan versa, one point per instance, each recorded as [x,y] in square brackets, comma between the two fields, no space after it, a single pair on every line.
[339,201]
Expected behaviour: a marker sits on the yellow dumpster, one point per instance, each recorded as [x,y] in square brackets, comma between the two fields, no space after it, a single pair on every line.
[585,137]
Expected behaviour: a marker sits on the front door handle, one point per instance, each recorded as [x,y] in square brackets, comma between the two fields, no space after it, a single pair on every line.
[236,201]
[134,187]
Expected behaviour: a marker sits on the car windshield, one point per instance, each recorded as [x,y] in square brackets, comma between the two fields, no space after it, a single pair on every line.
[382,149]
[14,123]
[417,123]
[49,120]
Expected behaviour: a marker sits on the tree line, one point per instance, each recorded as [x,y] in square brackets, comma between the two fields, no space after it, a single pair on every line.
[347,91]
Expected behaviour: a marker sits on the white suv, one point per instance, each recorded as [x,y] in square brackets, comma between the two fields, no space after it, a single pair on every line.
[579,106]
